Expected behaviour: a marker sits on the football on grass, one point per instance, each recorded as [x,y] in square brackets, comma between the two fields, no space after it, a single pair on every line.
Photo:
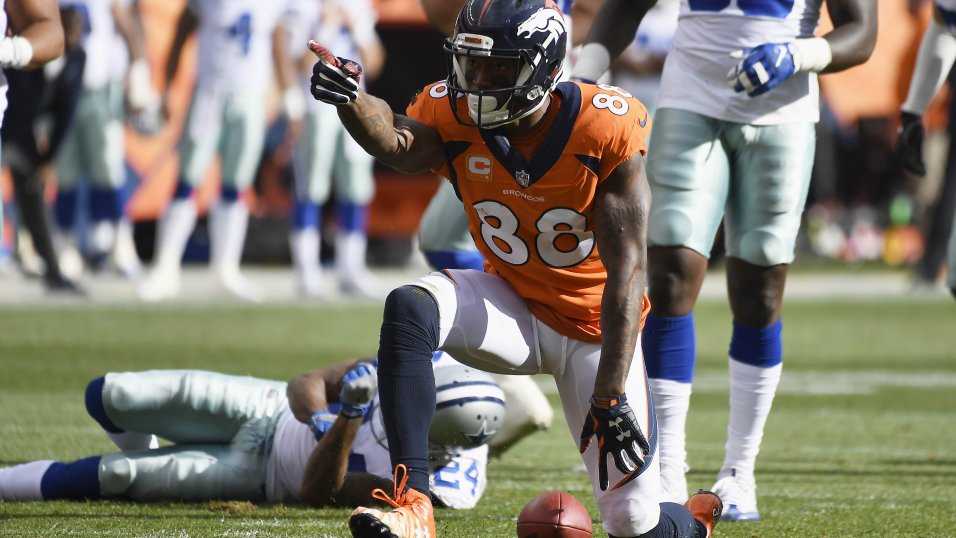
[554,514]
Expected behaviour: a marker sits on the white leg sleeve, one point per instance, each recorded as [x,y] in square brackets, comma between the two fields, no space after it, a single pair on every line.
[174,228]
[751,395]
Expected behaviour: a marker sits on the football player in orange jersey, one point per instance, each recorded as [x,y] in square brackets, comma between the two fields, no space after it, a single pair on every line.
[552,179]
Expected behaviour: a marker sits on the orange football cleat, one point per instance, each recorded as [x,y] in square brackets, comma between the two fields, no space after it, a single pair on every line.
[412,517]
[706,507]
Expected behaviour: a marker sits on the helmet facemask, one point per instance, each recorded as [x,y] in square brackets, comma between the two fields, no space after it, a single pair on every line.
[508,101]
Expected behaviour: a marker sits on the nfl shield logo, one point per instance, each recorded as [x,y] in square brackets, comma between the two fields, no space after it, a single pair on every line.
[523,178]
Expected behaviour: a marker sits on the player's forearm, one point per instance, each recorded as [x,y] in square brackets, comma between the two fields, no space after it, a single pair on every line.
[184,28]
[130,31]
[388,137]
[611,32]
[326,470]
[937,52]
[621,228]
[854,35]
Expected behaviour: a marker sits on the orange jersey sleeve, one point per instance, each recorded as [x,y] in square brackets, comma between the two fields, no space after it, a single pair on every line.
[532,218]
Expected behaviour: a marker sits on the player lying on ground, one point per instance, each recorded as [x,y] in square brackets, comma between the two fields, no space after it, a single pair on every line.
[318,439]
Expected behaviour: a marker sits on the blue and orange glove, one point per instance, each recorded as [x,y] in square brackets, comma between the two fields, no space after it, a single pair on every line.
[613,422]
[334,80]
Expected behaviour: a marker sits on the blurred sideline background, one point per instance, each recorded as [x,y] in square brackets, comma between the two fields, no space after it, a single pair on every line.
[863,211]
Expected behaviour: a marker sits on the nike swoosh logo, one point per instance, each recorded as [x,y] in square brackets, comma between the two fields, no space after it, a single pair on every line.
[643,122]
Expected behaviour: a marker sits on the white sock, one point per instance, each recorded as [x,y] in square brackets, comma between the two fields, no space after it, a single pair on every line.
[227,227]
[671,403]
[102,236]
[305,255]
[350,254]
[134,440]
[22,482]
[751,395]
[175,226]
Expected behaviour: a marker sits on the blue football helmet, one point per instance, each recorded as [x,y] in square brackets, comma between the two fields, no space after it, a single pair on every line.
[528,38]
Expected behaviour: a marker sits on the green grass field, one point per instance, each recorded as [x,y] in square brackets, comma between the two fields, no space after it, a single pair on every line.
[861,442]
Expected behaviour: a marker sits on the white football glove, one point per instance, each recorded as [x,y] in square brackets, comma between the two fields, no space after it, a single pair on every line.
[359,386]
[334,80]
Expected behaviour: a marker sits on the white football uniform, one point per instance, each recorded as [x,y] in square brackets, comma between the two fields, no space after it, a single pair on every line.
[458,479]
[708,31]
[93,147]
[717,154]
[237,439]
[234,69]
[326,152]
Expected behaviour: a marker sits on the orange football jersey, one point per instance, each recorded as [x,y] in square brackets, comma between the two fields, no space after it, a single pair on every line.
[533,218]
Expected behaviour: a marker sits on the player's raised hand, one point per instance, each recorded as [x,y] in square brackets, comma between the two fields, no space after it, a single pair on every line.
[762,68]
[359,386]
[909,143]
[334,80]
[613,423]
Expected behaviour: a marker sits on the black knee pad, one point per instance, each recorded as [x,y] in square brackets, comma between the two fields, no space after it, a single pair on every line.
[409,323]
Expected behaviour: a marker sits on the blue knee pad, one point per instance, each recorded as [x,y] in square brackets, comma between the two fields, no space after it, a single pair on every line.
[758,347]
[670,347]
[94,405]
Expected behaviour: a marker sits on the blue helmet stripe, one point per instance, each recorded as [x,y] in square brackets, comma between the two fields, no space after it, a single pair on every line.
[469,399]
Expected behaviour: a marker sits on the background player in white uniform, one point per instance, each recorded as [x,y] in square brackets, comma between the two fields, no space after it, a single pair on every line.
[227,115]
[35,38]
[741,152]
[239,438]
[326,152]
[94,149]
[937,53]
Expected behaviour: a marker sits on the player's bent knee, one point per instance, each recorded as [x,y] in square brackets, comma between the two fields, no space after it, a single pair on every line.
[410,320]
[626,516]
[116,474]
[764,249]
[95,407]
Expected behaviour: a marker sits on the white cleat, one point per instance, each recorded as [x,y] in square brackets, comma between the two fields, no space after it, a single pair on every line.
[71,262]
[311,287]
[125,259]
[239,286]
[362,284]
[162,284]
[739,495]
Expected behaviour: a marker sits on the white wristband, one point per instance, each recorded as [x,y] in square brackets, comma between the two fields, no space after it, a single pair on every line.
[592,62]
[293,103]
[15,51]
[139,86]
[811,54]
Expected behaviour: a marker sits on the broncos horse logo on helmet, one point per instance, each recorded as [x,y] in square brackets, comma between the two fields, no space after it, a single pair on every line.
[528,35]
